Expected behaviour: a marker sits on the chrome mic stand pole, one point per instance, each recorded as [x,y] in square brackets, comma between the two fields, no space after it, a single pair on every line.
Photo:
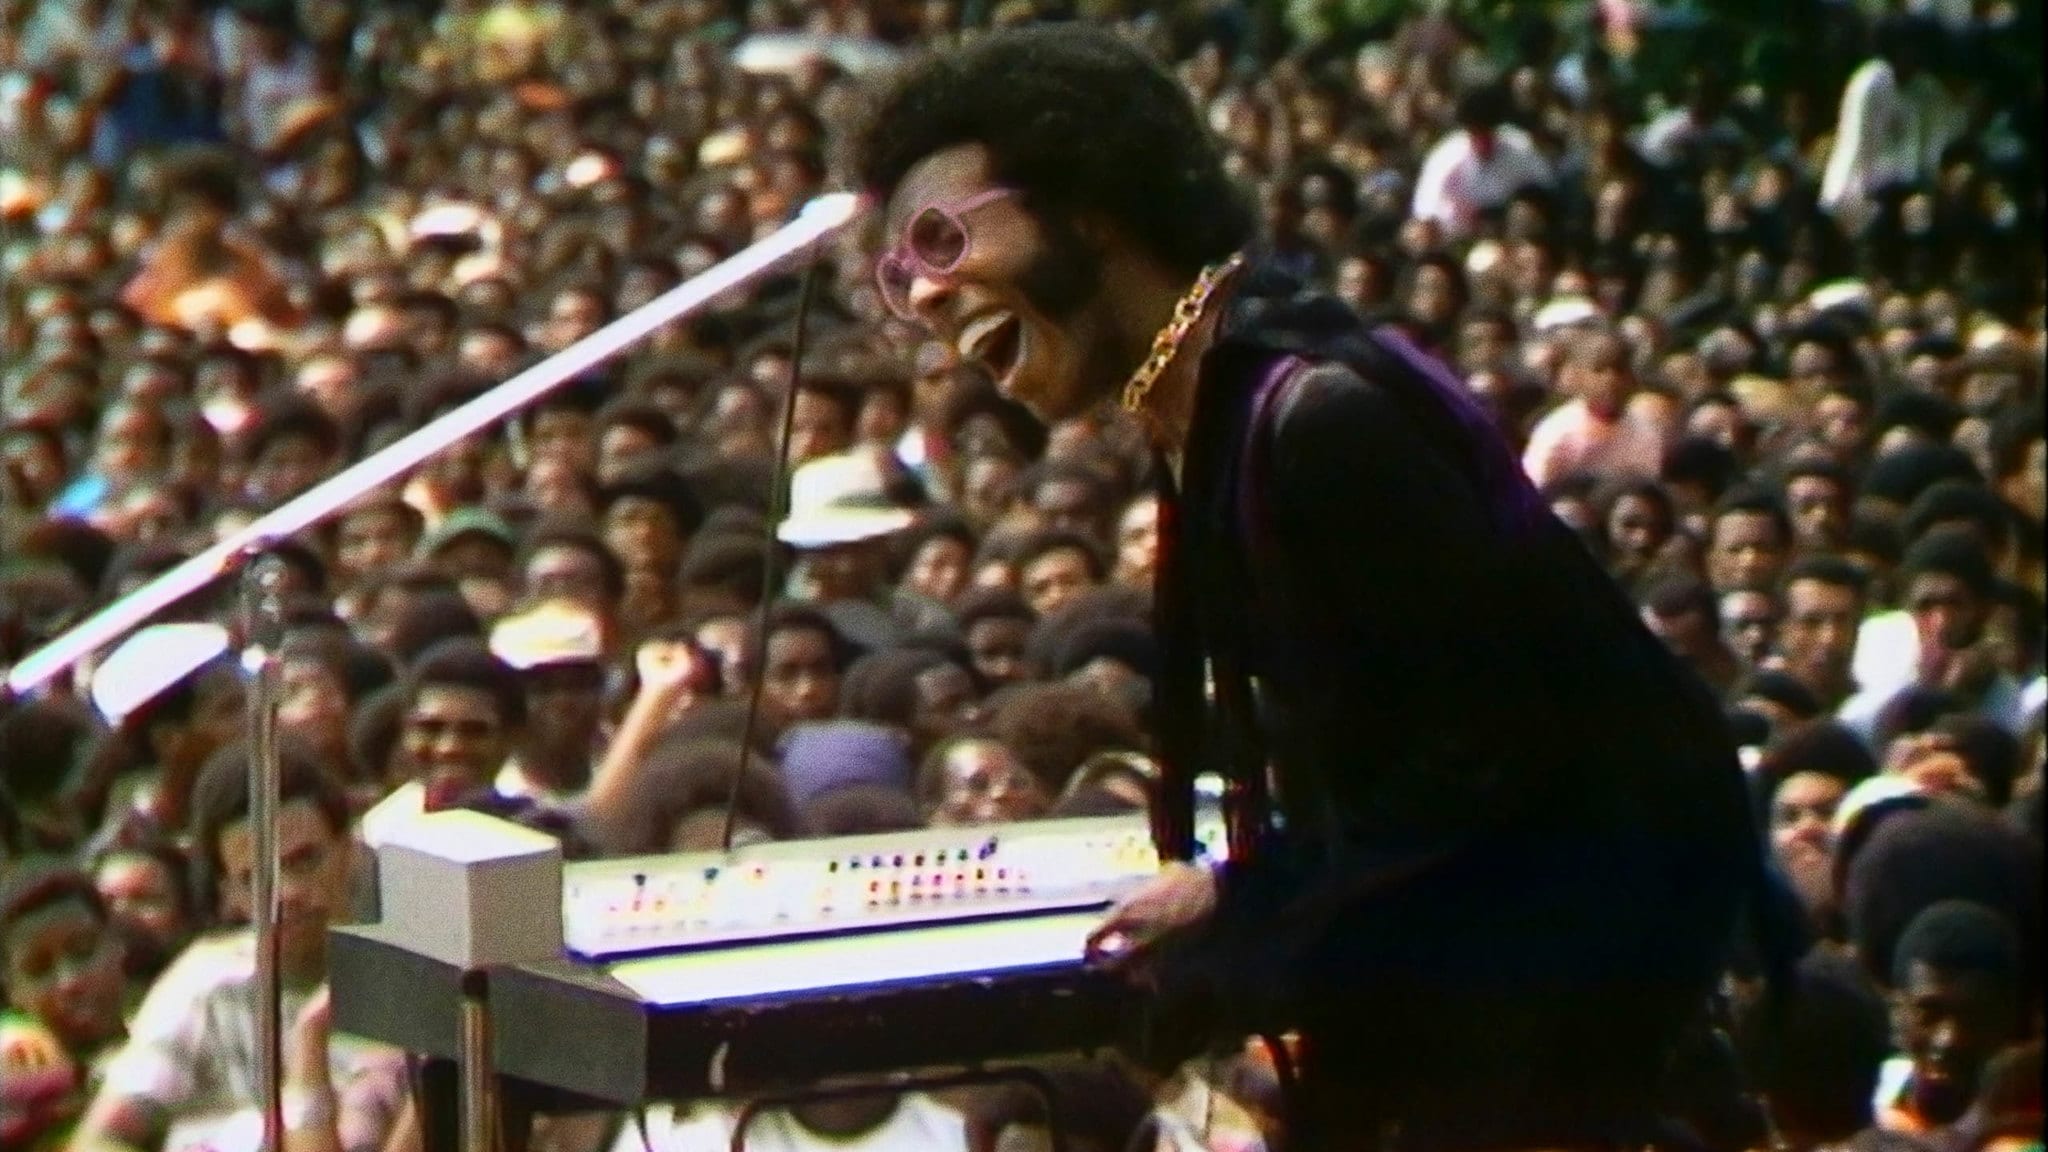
[263,609]
[478,1079]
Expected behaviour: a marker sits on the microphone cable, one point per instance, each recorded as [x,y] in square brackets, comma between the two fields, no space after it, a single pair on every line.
[778,501]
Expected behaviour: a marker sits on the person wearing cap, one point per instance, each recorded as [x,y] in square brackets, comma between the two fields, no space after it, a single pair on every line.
[475,547]
[823,757]
[841,511]
[557,648]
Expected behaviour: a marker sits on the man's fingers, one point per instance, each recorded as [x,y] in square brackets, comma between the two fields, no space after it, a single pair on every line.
[1109,944]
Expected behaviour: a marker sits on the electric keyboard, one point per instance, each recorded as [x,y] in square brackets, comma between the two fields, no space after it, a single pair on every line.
[698,975]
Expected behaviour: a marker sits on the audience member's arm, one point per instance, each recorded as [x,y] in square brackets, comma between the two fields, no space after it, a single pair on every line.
[156,1072]
[405,1132]
[1432,186]
[1545,459]
[312,1108]
[1842,185]
[668,673]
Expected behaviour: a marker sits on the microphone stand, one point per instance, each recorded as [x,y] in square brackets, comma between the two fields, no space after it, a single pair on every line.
[263,609]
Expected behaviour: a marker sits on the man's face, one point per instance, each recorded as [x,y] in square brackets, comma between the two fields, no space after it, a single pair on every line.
[1137,543]
[1949,1024]
[64,969]
[454,737]
[141,894]
[312,704]
[571,317]
[217,720]
[1947,614]
[986,487]
[313,869]
[2027,489]
[1636,527]
[939,570]
[643,535]
[130,443]
[986,784]
[819,426]
[1802,819]
[1812,367]
[564,708]
[1818,639]
[1820,511]
[567,573]
[1484,344]
[1749,620]
[564,434]
[1746,552]
[996,644]
[458,470]
[1052,581]
[945,702]
[474,554]
[1024,300]
[1071,506]
[1689,635]
[287,466]
[842,572]
[489,353]
[1596,371]
[800,677]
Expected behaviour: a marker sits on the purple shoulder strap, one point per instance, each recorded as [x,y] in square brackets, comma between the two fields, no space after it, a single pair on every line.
[1514,504]
[1252,511]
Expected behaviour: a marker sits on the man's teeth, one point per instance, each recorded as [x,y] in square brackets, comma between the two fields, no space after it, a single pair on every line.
[979,333]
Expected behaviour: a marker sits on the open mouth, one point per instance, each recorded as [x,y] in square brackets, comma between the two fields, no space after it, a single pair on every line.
[996,339]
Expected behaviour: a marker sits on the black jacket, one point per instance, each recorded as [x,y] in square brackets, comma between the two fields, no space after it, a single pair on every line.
[1490,774]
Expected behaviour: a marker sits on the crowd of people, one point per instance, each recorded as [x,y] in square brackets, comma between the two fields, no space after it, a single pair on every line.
[1771,343]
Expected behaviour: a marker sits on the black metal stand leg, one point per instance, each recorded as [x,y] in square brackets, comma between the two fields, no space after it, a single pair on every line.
[1031,1078]
[436,1094]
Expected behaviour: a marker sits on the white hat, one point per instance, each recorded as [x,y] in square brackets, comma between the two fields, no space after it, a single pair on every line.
[152,662]
[1843,295]
[1876,792]
[551,633]
[840,499]
[1564,312]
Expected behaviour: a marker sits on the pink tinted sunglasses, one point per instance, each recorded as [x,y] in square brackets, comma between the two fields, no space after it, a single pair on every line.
[934,242]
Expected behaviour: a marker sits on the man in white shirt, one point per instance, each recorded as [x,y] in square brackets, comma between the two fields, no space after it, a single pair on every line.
[188,1077]
[1897,119]
[1479,167]
[1948,582]
[1594,432]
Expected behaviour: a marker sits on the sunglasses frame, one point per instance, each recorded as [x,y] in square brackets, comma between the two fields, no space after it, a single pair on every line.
[904,257]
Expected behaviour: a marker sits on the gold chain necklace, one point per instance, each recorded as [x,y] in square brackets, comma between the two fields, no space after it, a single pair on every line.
[1187,312]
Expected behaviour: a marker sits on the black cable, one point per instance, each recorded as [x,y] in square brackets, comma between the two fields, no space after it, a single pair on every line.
[778,498]
[640,1121]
